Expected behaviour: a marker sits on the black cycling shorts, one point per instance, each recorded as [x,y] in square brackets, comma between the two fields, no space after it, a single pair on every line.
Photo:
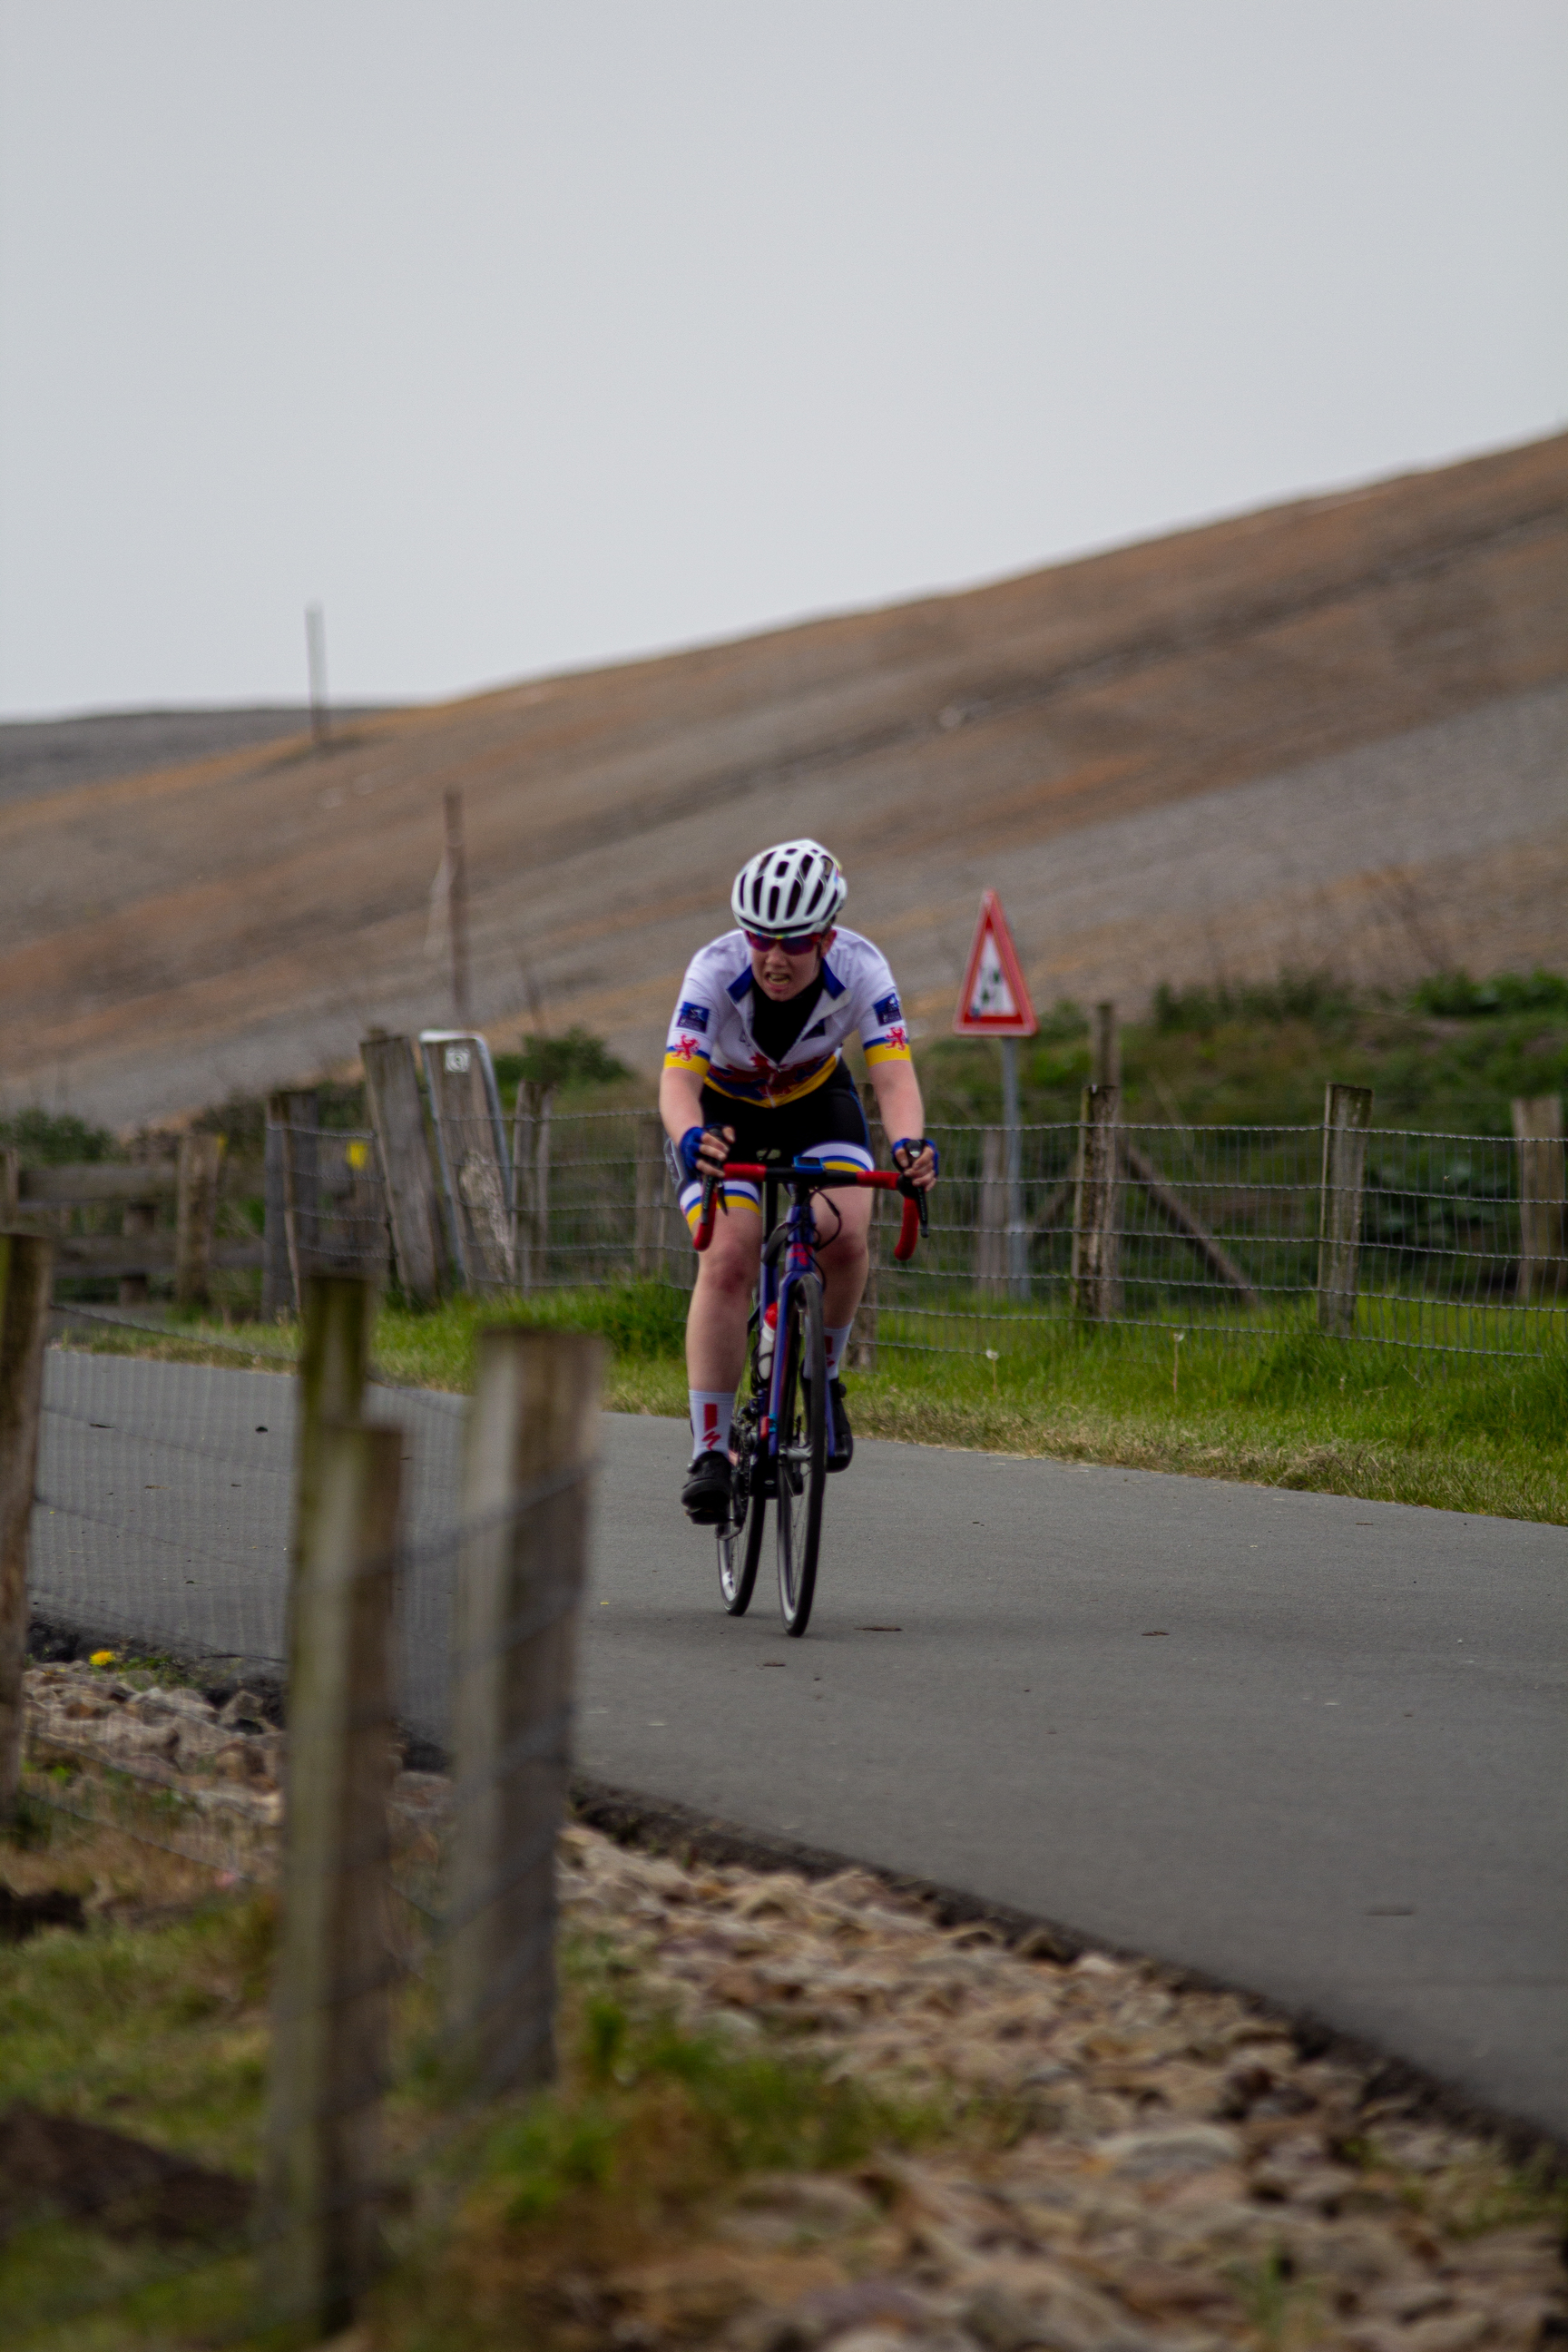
[826,1124]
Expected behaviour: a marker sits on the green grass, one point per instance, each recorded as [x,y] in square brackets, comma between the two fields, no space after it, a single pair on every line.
[1480,1433]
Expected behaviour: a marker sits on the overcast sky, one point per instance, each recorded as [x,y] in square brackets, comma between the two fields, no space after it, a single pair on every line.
[523,336]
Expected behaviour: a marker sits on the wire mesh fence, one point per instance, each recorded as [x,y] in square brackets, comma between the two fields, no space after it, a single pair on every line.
[1221,1227]
[334,1202]
[1224,1228]
[1452,1242]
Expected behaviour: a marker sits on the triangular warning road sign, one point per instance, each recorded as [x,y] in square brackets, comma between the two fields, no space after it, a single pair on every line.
[995,999]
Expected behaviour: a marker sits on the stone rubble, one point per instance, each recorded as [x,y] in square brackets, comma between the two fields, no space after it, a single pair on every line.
[1181,2176]
[224,1758]
[1174,2175]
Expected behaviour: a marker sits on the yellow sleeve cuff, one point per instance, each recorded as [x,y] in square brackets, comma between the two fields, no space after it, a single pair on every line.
[875,1054]
[686,1058]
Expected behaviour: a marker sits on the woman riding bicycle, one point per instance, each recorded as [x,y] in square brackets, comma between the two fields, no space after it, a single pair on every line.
[754,1070]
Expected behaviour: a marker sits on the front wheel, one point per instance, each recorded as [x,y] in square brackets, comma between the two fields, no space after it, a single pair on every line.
[740,1542]
[802,1452]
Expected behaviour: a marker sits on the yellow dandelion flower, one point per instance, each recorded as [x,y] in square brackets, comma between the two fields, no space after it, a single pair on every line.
[103,1657]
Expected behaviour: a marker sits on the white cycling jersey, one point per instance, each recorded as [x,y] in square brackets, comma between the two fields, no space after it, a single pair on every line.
[712,1032]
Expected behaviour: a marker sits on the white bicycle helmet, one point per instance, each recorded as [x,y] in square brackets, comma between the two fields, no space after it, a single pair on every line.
[795,887]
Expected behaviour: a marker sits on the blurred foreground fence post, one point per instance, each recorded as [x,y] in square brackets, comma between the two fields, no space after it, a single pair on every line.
[1542,1228]
[331,1984]
[10,1182]
[26,1274]
[336,1313]
[1096,1272]
[196,1217]
[1347,1114]
[413,1208]
[532,1438]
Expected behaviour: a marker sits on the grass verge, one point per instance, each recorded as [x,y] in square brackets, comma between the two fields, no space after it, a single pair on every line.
[1484,1434]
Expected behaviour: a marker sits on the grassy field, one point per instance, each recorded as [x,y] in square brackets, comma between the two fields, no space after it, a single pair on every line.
[1478,1433]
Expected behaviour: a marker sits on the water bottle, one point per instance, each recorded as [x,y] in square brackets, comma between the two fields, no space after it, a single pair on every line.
[765,1330]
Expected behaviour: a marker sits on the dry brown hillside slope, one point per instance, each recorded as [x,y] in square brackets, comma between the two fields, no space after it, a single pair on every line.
[1336,730]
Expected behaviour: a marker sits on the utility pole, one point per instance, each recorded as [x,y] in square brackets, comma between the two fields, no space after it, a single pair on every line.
[458,908]
[315,655]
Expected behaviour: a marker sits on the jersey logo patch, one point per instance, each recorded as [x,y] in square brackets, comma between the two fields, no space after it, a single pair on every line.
[695,1016]
[886,1008]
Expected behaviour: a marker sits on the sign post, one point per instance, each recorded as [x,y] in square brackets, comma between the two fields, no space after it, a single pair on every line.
[994,1002]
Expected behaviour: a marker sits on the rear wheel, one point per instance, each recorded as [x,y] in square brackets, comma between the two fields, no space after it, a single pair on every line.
[802,1452]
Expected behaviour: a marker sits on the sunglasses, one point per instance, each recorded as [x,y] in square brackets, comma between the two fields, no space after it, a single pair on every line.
[800,943]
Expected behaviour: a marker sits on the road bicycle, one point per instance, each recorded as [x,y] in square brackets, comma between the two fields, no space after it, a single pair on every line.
[781,1431]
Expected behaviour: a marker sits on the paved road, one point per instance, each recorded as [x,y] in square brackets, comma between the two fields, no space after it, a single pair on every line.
[1311,1746]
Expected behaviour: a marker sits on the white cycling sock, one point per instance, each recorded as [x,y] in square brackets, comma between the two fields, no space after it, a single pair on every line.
[713,1410]
[837,1342]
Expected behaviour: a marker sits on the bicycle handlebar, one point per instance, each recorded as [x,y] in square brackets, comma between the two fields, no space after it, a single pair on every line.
[879,1180]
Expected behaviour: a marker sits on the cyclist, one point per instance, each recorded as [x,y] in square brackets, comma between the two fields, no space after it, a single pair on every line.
[754,1069]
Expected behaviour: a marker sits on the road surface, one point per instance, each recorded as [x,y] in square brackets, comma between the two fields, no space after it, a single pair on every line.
[1313,1747]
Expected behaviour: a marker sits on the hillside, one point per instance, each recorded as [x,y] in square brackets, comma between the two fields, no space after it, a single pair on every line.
[1335,732]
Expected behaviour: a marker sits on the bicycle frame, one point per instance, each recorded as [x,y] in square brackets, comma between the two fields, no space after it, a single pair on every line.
[796,1243]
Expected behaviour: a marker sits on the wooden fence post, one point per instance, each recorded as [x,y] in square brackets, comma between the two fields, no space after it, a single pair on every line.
[413,1209]
[534,1423]
[10,1182]
[648,1219]
[27,1275]
[138,1218]
[1347,1114]
[1096,1241]
[195,1215]
[330,2001]
[1104,1047]
[277,1294]
[1542,1226]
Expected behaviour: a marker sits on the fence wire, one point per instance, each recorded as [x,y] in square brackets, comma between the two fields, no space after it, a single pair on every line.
[164,1508]
[1218,1227]
[335,1202]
